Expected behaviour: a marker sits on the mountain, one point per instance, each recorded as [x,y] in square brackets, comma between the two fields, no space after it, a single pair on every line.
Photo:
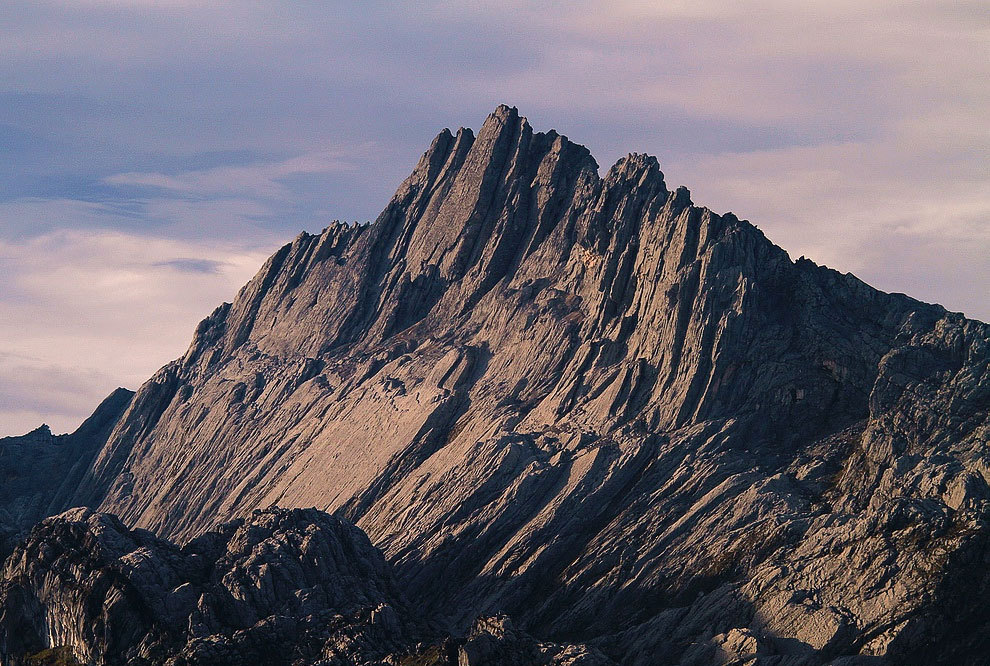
[584,401]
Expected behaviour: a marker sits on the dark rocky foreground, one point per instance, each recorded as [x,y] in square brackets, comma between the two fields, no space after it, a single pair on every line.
[282,587]
[626,421]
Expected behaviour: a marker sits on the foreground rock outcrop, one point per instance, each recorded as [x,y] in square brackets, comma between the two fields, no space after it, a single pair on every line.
[277,587]
[583,401]
[282,587]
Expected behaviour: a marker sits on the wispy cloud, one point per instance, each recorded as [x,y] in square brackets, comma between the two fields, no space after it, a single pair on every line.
[153,149]
[259,180]
[86,311]
[192,265]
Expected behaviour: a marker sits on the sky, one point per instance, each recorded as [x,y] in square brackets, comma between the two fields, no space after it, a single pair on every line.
[154,152]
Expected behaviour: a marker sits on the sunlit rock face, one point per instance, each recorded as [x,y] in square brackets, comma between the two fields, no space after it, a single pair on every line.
[585,402]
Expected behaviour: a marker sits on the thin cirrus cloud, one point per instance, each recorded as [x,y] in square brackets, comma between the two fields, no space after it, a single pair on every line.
[193,265]
[86,311]
[154,150]
[264,180]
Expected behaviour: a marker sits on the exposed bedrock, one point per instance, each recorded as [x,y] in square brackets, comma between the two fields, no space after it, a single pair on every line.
[588,403]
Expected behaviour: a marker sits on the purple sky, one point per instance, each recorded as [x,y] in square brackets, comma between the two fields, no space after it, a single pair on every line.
[155,151]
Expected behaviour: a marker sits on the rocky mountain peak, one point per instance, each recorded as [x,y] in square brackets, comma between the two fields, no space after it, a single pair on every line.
[584,401]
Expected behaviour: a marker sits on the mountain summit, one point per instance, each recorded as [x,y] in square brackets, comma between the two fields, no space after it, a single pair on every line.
[588,403]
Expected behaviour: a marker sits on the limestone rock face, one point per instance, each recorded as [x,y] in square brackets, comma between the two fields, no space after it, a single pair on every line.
[584,401]
[280,586]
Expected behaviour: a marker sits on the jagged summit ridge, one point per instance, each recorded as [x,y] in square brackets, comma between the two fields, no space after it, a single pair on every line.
[585,401]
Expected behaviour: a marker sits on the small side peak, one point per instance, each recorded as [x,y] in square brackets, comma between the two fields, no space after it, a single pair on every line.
[731,218]
[463,140]
[434,157]
[441,143]
[639,167]
[634,162]
[41,432]
[682,197]
[40,435]
[642,159]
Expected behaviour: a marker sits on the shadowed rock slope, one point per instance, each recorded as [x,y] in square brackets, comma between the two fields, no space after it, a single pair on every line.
[588,403]
[40,472]
[282,587]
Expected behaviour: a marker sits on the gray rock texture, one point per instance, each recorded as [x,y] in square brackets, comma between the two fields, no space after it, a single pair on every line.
[583,401]
[276,588]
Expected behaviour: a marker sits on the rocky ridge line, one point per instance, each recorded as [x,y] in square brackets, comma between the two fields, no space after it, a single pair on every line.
[583,400]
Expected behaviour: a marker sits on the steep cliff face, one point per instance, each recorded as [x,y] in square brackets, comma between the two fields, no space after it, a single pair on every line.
[589,403]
